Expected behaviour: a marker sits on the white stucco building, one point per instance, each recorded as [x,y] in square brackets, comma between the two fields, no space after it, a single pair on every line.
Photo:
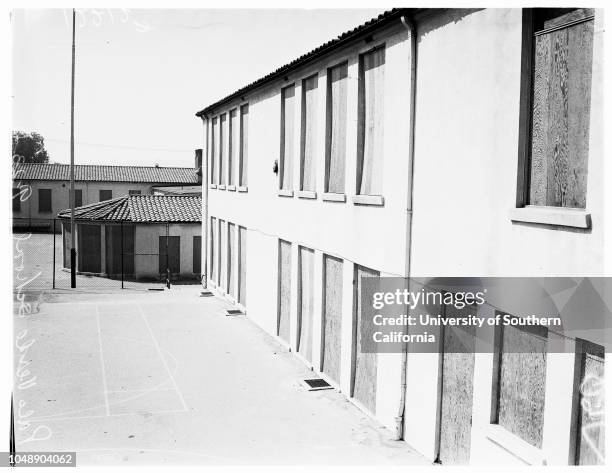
[423,143]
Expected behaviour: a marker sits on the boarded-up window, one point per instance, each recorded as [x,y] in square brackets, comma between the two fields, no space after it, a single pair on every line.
[44,200]
[335,129]
[365,365]
[591,408]
[231,259]
[332,316]
[223,255]
[16,199]
[233,147]
[244,144]
[242,252]
[306,302]
[286,145]
[214,152]
[522,382]
[223,149]
[105,194]
[214,249]
[370,122]
[78,197]
[562,63]
[308,134]
[197,254]
[284,289]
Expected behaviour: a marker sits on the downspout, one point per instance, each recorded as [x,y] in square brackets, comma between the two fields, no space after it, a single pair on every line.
[410,25]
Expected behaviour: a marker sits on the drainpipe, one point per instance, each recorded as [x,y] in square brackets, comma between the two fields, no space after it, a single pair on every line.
[410,25]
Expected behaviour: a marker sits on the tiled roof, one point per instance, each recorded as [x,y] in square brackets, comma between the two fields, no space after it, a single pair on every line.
[142,208]
[99,173]
[345,37]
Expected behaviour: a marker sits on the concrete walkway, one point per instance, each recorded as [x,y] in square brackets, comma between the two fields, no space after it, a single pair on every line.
[167,378]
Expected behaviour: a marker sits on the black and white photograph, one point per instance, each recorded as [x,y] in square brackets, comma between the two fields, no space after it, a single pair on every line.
[315,235]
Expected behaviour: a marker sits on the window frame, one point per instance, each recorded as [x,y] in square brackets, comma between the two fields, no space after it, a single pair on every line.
[523,212]
[45,210]
[100,199]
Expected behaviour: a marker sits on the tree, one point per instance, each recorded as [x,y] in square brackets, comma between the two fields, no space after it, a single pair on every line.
[29,148]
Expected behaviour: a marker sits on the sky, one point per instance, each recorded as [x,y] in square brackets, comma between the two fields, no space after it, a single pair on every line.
[142,74]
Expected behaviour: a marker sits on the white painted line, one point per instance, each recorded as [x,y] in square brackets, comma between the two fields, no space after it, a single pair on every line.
[102,363]
[124,414]
[178,392]
[153,390]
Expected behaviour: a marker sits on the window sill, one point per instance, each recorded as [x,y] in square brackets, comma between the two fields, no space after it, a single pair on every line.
[514,445]
[213,186]
[576,218]
[333,197]
[376,200]
[285,193]
[221,187]
[307,194]
[243,189]
[231,187]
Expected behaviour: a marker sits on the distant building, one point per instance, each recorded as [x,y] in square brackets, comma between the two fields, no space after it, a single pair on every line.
[40,191]
[178,190]
[159,233]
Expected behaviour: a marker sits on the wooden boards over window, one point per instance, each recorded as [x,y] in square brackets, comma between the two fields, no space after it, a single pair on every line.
[231,259]
[562,66]
[308,134]
[365,364]
[332,316]
[223,149]
[335,143]
[242,253]
[456,390]
[214,250]
[234,147]
[370,122]
[286,145]
[284,289]
[214,152]
[244,145]
[222,255]
[306,302]
[522,382]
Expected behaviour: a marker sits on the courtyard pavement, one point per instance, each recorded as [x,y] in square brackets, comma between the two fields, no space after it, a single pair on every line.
[166,378]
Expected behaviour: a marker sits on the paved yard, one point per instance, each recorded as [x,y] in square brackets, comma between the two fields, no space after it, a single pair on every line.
[165,377]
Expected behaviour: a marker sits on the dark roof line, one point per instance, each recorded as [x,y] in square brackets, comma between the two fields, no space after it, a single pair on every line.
[362,29]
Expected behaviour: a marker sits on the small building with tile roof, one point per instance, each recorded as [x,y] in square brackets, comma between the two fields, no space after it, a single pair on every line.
[137,237]
[40,191]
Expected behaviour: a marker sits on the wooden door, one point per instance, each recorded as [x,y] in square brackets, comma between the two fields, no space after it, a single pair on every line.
[119,257]
[332,316]
[90,245]
[197,254]
[456,393]
[306,302]
[284,289]
[365,364]
[173,259]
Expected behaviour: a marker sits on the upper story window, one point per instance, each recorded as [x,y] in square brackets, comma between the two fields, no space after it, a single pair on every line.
[134,192]
[223,149]
[286,145]
[44,200]
[78,197]
[308,139]
[244,145]
[106,194]
[233,147]
[16,199]
[214,152]
[335,129]
[561,59]
[370,122]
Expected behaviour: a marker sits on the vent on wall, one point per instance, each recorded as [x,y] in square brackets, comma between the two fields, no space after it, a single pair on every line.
[316,384]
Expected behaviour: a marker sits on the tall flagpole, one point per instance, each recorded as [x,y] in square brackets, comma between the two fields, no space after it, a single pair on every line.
[72,229]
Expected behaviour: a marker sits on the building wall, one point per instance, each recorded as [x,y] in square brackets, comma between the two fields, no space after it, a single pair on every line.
[371,236]
[60,200]
[465,185]
[466,147]
[146,240]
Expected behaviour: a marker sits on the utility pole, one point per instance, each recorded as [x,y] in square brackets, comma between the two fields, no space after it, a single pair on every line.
[72,227]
